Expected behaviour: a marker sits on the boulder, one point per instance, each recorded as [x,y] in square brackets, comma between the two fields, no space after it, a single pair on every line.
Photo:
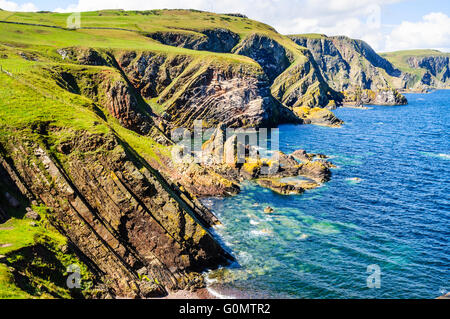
[268,210]
[31,214]
[317,170]
[302,156]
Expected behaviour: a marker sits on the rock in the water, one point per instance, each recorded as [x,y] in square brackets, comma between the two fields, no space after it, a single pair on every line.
[318,116]
[301,155]
[287,187]
[317,170]
[268,210]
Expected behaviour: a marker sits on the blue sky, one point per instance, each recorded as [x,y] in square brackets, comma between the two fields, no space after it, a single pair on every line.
[385,24]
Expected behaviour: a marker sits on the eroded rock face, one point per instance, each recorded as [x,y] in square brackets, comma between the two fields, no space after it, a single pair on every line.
[83,56]
[347,63]
[351,66]
[437,70]
[386,96]
[233,98]
[215,94]
[215,40]
[272,56]
[123,105]
[120,213]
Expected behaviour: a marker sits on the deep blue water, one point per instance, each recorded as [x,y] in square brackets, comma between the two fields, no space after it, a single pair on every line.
[319,244]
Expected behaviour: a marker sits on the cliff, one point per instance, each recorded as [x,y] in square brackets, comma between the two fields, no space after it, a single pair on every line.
[423,69]
[351,66]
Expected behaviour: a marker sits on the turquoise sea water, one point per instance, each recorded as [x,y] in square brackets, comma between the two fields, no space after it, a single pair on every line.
[319,244]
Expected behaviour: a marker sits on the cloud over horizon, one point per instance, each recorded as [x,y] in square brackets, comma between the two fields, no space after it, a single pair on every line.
[356,19]
[13,6]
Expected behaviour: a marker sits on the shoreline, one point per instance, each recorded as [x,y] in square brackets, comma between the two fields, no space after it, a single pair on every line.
[202,293]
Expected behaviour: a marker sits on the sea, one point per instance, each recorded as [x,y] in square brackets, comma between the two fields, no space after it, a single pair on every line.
[380,228]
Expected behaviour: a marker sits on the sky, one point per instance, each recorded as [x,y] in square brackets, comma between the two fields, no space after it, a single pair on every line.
[387,25]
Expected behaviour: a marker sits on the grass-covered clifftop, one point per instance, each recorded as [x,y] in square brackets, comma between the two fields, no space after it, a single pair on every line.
[351,65]
[206,38]
[424,69]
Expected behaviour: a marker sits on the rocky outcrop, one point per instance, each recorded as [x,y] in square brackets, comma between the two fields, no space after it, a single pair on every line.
[215,40]
[386,96]
[347,63]
[317,116]
[122,215]
[286,187]
[423,70]
[351,66]
[282,173]
[190,90]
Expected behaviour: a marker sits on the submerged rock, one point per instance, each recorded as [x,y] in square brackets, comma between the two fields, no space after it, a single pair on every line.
[317,116]
[286,187]
[268,210]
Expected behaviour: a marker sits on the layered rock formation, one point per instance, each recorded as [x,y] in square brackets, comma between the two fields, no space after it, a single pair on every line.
[423,69]
[215,40]
[288,77]
[121,214]
[351,66]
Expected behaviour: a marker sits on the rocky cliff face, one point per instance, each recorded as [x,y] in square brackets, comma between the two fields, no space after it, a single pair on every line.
[289,71]
[189,90]
[271,55]
[215,40]
[437,72]
[422,69]
[124,218]
[350,65]
[346,62]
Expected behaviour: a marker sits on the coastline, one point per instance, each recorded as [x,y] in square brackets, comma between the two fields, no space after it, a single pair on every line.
[202,293]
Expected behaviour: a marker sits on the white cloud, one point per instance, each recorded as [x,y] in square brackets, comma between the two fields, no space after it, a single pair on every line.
[433,31]
[12,6]
[359,19]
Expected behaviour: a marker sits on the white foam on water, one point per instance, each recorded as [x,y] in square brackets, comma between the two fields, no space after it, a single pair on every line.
[253,222]
[354,180]
[262,232]
[218,294]
[303,236]
[440,155]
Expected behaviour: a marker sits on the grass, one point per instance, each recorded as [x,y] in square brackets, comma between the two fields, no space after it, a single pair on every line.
[148,21]
[399,59]
[39,271]
[309,35]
